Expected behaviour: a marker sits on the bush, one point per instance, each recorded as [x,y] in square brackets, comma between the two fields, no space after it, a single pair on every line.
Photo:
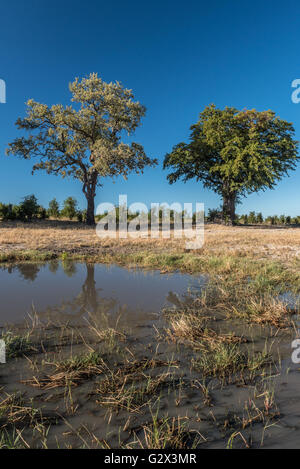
[70,208]
[26,211]
[29,208]
[6,211]
[214,215]
[42,213]
[81,216]
[53,210]
[259,218]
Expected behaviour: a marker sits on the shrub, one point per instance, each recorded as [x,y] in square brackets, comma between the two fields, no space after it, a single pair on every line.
[29,208]
[70,208]
[53,210]
[81,216]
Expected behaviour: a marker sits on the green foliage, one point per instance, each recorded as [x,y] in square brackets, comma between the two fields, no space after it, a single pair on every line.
[282,219]
[8,211]
[81,216]
[29,208]
[42,213]
[84,141]
[295,220]
[16,345]
[214,215]
[235,152]
[244,219]
[252,218]
[70,208]
[53,210]
[257,218]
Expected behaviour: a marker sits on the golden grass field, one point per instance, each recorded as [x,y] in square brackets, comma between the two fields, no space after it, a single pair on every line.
[66,237]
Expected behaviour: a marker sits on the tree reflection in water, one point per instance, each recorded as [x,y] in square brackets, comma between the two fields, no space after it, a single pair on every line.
[87,304]
[90,303]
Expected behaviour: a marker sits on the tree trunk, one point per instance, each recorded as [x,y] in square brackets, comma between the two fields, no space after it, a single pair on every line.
[89,289]
[90,214]
[229,201]
[89,190]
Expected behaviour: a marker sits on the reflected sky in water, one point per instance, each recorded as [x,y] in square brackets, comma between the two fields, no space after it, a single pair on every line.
[68,288]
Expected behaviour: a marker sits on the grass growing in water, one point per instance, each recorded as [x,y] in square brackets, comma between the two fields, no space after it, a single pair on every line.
[70,372]
[166,433]
[131,392]
[17,345]
[193,330]
[228,360]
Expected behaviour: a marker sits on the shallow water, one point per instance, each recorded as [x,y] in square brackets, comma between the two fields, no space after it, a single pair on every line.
[67,292]
[70,290]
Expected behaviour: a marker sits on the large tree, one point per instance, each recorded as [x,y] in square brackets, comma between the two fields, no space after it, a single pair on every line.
[235,153]
[84,140]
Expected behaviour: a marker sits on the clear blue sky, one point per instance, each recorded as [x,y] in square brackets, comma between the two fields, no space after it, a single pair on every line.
[177,56]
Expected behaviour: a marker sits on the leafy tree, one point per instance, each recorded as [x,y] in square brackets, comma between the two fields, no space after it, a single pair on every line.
[7,211]
[259,218]
[53,210]
[282,219]
[29,208]
[235,153]
[273,220]
[70,208]
[252,218]
[84,141]
[214,215]
[245,219]
[42,213]
[81,215]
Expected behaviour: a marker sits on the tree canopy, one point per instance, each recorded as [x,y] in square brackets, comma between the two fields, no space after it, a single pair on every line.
[235,153]
[84,140]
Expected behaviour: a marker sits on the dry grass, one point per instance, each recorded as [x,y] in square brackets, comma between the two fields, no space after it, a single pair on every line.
[70,372]
[166,433]
[226,298]
[79,369]
[193,329]
[248,302]
[74,238]
[130,392]
[14,411]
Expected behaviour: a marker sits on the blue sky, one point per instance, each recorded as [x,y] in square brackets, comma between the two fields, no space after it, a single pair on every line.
[177,56]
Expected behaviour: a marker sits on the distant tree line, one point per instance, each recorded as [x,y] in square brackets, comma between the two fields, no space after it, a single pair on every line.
[253,218]
[29,210]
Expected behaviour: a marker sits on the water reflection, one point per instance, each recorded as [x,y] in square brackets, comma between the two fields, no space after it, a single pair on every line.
[27,271]
[68,292]
[88,303]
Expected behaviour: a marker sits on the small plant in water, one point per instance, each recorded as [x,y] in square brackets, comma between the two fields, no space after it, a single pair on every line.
[17,345]
[64,256]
